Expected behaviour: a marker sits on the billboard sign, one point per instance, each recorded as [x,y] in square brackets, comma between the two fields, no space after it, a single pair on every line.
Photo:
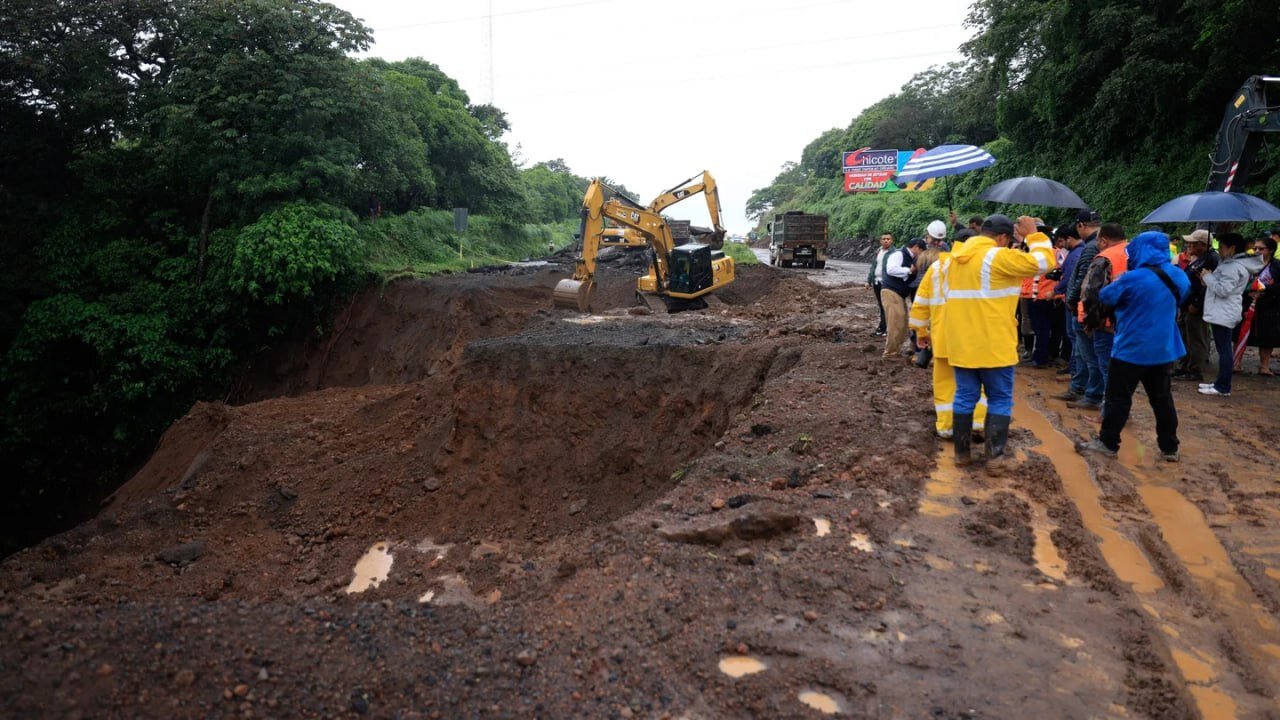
[868,170]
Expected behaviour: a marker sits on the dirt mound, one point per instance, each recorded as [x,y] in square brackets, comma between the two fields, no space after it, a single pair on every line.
[861,249]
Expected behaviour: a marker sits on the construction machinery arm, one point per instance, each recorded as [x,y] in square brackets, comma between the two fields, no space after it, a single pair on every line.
[1240,136]
[602,202]
[705,184]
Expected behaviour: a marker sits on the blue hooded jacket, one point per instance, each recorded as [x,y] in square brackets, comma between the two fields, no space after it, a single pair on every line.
[1146,311]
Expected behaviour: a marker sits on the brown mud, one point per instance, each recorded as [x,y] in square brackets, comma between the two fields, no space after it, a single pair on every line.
[464,503]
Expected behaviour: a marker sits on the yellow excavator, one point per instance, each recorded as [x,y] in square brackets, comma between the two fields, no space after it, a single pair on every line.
[679,275]
[702,183]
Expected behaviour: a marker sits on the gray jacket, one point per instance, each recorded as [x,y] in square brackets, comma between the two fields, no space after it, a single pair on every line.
[1224,289]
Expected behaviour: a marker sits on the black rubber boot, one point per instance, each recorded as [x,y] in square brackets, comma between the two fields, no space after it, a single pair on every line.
[997,435]
[962,437]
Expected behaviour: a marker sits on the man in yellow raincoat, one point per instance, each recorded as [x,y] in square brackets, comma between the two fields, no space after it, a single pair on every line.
[927,321]
[982,284]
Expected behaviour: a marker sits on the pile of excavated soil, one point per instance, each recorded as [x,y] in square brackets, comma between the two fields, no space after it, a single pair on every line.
[462,502]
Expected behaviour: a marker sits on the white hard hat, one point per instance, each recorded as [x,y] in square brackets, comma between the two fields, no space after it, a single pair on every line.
[937,230]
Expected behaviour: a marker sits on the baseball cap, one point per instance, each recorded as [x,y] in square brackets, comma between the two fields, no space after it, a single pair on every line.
[1198,236]
[1275,230]
[998,224]
[962,235]
[937,230]
[1088,217]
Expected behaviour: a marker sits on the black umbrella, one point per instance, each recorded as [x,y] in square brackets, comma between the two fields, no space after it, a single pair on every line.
[1032,190]
[1214,207]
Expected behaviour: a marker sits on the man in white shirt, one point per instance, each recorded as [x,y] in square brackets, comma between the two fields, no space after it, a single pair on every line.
[899,270]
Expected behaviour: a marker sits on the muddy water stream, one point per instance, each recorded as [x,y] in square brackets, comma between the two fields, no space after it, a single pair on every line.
[1199,666]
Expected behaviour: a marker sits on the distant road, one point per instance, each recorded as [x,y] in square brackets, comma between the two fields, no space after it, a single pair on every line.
[837,272]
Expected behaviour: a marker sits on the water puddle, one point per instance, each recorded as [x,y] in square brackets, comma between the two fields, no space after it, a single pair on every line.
[1123,555]
[736,666]
[372,569]
[942,487]
[1213,704]
[1194,669]
[821,702]
[1048,561]
[860,541]
[822,526]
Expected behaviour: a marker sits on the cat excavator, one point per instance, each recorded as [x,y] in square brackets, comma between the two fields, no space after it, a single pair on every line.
[702,183]
[680,276]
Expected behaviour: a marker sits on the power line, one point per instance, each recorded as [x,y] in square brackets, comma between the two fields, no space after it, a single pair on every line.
[489,16]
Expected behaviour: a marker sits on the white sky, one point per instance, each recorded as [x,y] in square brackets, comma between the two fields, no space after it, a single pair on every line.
[650,93]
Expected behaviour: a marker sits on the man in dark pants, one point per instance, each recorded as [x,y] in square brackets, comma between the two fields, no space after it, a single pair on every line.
[1147,343]
[875,276]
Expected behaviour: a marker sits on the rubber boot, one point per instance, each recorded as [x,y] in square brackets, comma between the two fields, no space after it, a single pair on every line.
[997,435]
[962,437]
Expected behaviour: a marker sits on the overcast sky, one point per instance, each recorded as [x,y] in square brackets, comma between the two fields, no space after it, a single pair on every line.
[650,93]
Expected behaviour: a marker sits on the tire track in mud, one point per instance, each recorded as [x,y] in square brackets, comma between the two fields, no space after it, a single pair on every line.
[1160,545]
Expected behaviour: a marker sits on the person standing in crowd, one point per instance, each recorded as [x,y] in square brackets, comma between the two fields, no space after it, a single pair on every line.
[1075,365]
[927,321]
[899,276]
[1110,263]
[1145,302]
[875,276]
[1037,303]
[1265,332]
[981,288]
[1195,331]
[1223,304]
[1087,224]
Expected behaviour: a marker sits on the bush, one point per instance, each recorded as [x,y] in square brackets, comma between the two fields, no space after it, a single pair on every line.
[292,251]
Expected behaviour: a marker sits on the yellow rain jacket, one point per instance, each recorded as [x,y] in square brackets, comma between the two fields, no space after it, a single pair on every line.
[926,311]
[983,284]
[926,319]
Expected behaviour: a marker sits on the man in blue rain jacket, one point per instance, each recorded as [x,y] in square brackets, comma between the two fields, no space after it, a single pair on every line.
[1147,343]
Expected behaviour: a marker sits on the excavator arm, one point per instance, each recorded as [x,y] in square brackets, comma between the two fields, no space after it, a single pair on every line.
[1247,117]
[705,184]
[700,271]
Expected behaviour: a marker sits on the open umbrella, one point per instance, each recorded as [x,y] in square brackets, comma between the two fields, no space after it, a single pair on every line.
[942,161]
[1032,190]
[1214,207]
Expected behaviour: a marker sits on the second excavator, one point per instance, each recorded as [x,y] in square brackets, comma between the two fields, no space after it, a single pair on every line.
[679,275]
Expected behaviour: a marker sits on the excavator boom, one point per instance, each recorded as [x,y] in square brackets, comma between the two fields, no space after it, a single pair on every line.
[697,269]
[702,183]
[1247,117]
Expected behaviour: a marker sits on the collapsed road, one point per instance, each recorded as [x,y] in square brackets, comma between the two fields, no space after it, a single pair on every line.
[465,503]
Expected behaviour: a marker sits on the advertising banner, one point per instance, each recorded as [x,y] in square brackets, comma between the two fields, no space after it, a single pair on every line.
[868,170]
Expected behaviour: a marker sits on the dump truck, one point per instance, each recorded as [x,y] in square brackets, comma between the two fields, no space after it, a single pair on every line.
[798,238]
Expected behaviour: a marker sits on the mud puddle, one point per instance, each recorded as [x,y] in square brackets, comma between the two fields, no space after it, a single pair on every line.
[1210,676]
[372,569]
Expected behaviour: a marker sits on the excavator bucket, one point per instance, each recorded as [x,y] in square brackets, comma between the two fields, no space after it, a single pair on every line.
[573,295]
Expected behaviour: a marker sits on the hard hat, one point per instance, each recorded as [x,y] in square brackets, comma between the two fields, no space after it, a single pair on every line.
[937,230]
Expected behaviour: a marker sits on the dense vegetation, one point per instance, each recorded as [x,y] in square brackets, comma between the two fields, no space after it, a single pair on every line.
[1119,99]
[183,181]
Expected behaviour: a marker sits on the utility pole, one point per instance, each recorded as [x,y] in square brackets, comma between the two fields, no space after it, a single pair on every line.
[492,82]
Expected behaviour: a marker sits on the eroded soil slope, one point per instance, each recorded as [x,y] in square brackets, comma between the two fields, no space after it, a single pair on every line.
[463,503]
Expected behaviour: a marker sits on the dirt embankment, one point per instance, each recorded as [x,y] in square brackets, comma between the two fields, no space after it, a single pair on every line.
[464,503]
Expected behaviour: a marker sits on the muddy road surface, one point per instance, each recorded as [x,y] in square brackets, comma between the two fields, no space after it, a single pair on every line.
[463,503]
[836,273]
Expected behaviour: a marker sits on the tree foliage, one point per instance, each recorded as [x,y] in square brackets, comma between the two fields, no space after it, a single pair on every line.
[182,180]
[1119,99]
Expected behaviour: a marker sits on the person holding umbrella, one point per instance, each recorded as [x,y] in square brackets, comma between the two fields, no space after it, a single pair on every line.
[1223,304]
[982,287]
[1265,333]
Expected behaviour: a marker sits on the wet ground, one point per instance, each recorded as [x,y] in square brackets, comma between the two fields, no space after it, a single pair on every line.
[464,503]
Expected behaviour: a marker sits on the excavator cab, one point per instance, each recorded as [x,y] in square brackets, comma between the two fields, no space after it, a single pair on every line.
[691,268]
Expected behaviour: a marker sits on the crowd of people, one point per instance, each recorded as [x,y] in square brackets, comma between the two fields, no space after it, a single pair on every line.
[1107,312]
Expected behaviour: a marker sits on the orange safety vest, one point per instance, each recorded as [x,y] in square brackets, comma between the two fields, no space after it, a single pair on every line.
[1118,255]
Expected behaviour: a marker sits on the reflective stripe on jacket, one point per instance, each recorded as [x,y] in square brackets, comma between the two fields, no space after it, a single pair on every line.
[927,311]
[983,285]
